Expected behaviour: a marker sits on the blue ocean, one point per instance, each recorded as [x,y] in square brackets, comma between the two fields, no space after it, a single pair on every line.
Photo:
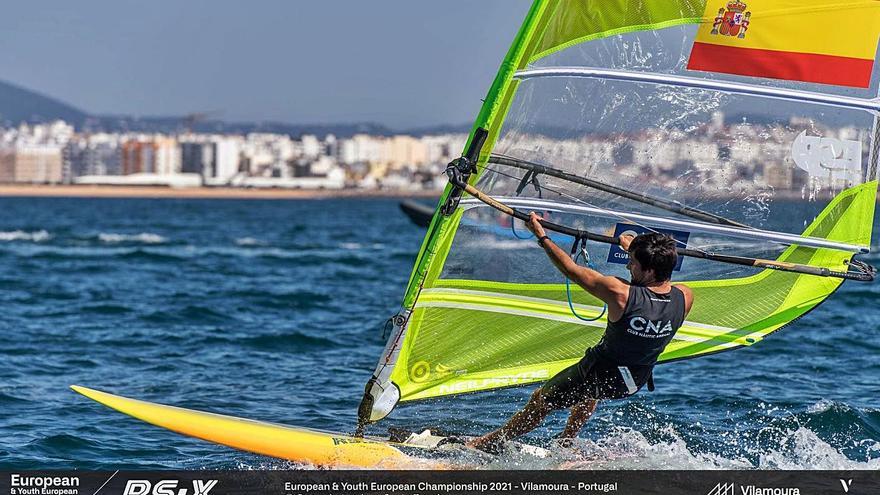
[274,310]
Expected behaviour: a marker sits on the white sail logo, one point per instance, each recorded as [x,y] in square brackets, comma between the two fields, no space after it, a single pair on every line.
[828,158]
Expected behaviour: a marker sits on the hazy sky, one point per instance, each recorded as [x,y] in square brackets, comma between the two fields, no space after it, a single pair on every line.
[396,62]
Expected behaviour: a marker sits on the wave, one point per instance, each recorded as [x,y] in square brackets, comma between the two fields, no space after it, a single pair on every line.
[826,435]
[297,299]
[60,444]
[105,309]
[802,448]
[293,341]
[142,238]
[7,399]
[357,246]
[146,247]
[42,235]
[189,315]
[22,235]
[164,255]
[288,342]
[249,241]
[625,448]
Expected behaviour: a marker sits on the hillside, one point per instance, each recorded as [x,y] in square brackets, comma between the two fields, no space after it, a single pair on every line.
[21,105]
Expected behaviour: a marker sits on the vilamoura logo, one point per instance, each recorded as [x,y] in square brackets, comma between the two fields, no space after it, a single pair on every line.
[722,489]
[730,489]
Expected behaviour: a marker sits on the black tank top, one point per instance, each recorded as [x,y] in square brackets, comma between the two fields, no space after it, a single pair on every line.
[649,322]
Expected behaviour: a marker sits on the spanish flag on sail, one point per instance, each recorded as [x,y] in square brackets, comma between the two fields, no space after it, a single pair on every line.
[819,41]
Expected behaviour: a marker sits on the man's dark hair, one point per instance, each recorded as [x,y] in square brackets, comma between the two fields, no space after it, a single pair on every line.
[655,251]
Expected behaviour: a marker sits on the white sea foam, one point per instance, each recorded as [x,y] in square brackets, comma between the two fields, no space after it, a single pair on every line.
[355,246]
[803,449]
[820,407]
[623,448]
[626,448]
[143,238]
[249,241]
[21,235]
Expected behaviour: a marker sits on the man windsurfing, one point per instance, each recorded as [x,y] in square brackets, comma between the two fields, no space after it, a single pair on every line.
[643,316]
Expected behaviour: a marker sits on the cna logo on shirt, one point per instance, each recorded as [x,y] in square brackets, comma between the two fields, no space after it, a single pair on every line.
[644,327]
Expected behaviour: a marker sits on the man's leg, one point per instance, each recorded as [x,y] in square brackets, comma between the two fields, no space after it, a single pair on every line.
[580,414]
[522,422]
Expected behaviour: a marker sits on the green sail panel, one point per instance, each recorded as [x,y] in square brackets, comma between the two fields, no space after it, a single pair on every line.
[473,335]
[571,22]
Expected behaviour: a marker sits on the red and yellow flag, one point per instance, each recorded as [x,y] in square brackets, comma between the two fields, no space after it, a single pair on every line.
[820,41]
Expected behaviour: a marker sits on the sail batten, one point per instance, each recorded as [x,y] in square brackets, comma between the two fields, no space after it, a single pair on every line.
[868,104]
[642,219]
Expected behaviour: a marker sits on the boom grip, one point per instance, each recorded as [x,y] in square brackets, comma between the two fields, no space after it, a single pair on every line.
[863,273]
[473,151]
[460,170]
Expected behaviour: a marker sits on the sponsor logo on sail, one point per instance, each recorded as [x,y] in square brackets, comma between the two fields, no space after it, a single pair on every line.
[828,158]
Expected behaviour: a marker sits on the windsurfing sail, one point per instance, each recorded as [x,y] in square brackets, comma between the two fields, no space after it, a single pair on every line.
[747,129]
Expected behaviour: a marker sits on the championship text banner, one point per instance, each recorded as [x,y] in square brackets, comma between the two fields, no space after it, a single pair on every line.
[438,482]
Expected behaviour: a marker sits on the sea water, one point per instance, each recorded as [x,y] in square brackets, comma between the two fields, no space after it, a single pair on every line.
[274,310]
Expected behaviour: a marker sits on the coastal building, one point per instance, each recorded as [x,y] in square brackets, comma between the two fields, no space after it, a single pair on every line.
[149,154]
[267,155]
[404,151]
[34,164]
[226,158]
[441,149]
[311,147]
[361,148]
[96,154]
[167,155]
[138,156]
[196,157]
[335,179]
[216,158]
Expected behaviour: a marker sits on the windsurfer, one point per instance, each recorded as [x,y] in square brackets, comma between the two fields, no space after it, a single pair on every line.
[643,316]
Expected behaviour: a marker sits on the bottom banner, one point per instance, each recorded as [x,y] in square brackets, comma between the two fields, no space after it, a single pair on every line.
[438,482]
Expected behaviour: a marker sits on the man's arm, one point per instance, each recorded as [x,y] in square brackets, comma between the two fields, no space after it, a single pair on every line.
[608,289]
[604,287]
[688,297]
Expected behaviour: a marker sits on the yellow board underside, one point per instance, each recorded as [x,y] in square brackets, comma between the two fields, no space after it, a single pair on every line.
[274,440]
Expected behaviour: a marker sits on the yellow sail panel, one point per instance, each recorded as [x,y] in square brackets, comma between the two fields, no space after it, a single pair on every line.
[830,42]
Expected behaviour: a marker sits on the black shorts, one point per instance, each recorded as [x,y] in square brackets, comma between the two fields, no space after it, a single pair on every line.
[591,378]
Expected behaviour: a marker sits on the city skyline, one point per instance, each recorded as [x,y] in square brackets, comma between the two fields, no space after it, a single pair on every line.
[733,157]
